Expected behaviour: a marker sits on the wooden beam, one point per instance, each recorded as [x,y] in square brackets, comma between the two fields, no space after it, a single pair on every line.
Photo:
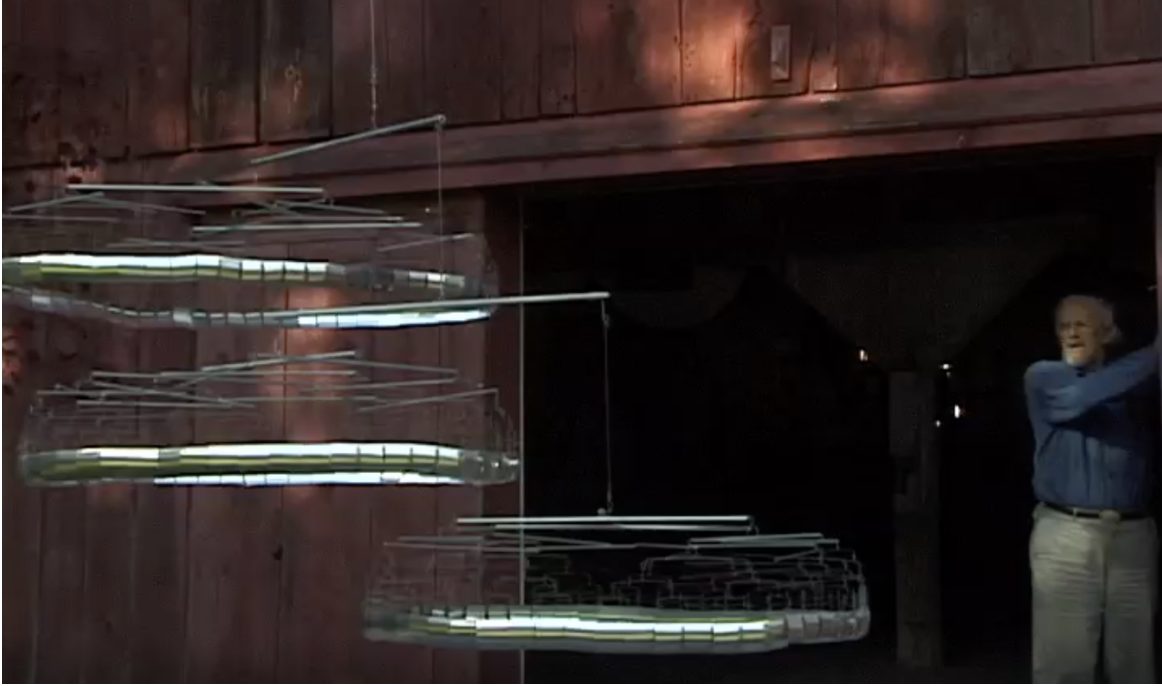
[1097,103]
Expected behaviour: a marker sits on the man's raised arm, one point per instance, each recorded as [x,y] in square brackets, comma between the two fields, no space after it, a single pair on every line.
[1059,399]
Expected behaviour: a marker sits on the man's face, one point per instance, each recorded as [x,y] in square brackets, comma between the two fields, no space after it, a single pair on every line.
[1082,333]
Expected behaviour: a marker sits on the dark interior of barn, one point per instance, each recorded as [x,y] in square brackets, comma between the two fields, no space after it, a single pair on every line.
[751,335]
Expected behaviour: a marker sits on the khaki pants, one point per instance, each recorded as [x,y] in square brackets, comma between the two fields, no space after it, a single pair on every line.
[1094,584]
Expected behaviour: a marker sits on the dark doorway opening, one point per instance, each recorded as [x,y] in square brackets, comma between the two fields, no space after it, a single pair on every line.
[735,391]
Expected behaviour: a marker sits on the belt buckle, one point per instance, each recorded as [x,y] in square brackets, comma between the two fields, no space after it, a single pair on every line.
[1110,516]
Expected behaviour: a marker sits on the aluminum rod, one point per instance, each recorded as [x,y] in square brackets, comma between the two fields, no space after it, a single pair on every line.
[305,226]
[435,120]
[55,202]
[329,206]
[164,393]
[100,199]
[61,218]
[420,244]
[192,188]
[606,519]
[450,397]
[279,359]
[447,304]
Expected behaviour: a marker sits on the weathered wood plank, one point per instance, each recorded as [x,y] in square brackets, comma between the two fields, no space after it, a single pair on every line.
[325,528]
[158,633]
[295,89]
[1084,104]
[358,65]
[558,61]
[502,230]
[235,548]
[402,511]
[21,503]
[520,51]
[1005,36]
[1126,30]
[463,64]
[888,42]
[406,90]
[60,640]
[159,76]
[110,590]
[93,84]
[628,55]
[31,71]
[811,55]
[223,72]
[461,424]
[712,31]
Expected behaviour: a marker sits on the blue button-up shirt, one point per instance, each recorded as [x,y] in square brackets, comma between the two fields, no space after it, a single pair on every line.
[1091,451]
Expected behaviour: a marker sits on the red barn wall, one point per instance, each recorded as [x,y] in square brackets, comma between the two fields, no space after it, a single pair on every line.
[166,584]
[122,79]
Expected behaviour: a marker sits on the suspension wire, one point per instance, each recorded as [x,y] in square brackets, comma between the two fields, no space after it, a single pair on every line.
[608,413]
[373,71]
[440,204]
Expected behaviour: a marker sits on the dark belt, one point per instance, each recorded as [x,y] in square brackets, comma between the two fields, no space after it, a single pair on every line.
[1114,516]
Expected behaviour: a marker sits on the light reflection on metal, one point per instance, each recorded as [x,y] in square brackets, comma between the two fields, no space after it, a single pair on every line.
[445,301]
[134,426]
[687,592]
[306,226]
[270,464]
[63,219]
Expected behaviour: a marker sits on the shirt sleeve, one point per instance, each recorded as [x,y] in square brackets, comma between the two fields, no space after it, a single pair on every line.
[1059,399]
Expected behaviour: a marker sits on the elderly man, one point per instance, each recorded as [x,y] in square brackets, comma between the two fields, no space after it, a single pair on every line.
[1094,547]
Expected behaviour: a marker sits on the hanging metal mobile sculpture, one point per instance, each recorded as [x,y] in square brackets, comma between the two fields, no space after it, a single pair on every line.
[100,430]
[617,584]
[120,426]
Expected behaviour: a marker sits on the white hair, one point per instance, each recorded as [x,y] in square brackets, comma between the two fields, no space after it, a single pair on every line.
[1099,306]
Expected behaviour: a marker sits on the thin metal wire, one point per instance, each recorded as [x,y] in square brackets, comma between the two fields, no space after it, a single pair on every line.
[373,72]
[440,199]
[608,413]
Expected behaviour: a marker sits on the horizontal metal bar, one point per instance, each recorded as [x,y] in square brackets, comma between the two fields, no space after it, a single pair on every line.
[55,202]
[450,397]
[435,120]
[61,218]
[193,188]
[429,241]
[426,305]
[100,199]
[329,205]
[759,537]
[607,519]
[280,359]
[304,226]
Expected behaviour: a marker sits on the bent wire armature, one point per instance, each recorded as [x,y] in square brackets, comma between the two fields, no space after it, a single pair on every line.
[330,415]
[616,584]
[428,297]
